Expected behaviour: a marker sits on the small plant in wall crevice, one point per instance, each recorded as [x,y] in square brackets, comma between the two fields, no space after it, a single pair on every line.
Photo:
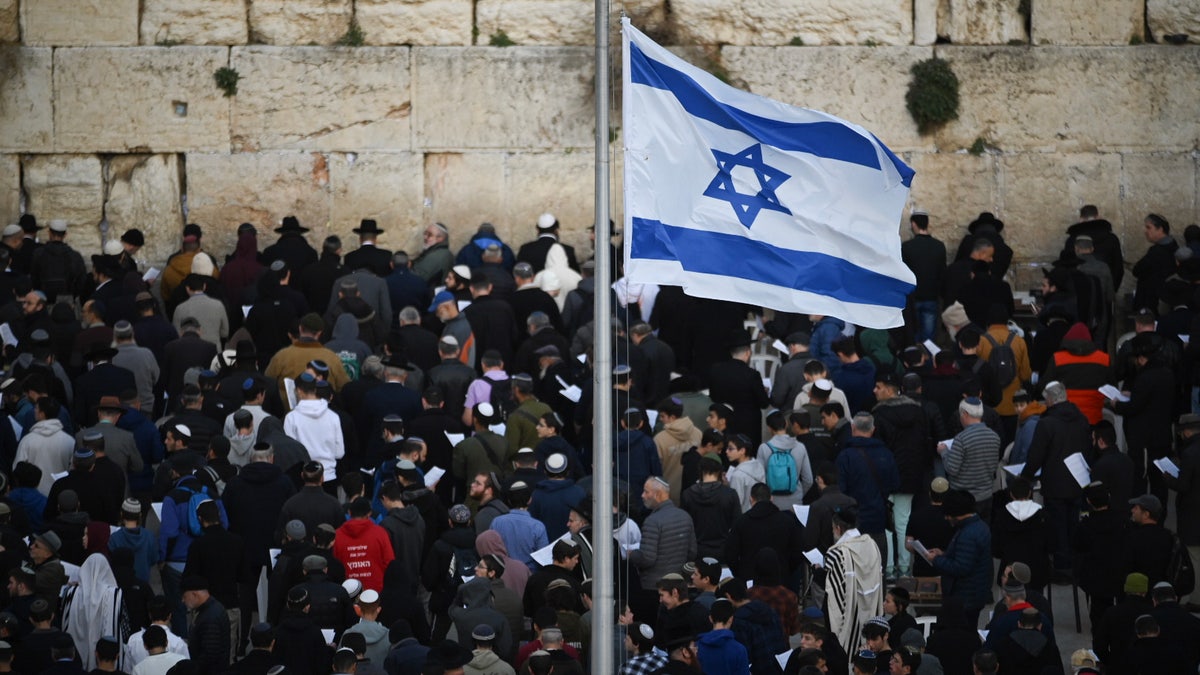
[932,97]
[227,80]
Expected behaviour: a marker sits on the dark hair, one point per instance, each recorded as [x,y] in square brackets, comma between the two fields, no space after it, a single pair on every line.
[208,512]
[712,437]
[1159,222]
[834,408]
[352,482]
[261,639]
[670,406]
[1089,211]
[900,596]
[360,507]
[760,492]
[343,660]
[845,517]
[827,471]
[815,367]
[844,346]
[391,491]
[800,418]
[158,608]
[721,410]
[552,420]
[968,339]
[154,637]
[921,220]
[873,631]
[775,421]
[1019,487]
[711,466]
[721,611]
[49,407]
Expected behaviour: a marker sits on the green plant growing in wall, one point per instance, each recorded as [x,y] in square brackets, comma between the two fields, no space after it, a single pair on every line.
[354,37]
[978,147]
[932,97]
[227,79]
[500,39]
[797,41]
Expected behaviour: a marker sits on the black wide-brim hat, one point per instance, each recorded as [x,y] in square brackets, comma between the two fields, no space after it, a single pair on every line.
[368,226]
[291,224]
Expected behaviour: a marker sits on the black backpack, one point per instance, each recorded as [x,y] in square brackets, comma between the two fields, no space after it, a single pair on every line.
[54,270]
[1003,359]
[462,564]
[502,399]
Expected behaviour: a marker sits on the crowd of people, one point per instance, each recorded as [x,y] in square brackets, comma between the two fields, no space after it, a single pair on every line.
[292,461]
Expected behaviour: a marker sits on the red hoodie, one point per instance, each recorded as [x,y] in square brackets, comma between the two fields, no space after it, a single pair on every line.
[365,549]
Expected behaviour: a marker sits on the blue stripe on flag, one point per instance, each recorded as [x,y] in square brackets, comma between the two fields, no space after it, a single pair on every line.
[705,252]
[823,139]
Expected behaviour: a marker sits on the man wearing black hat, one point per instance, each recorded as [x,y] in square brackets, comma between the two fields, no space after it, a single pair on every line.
[292,247]
[966,564]
[734,383]
[987,227]
[369,255]
[23,255]
[102,379]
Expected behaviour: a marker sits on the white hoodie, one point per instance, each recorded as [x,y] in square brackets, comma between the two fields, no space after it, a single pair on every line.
[320,432]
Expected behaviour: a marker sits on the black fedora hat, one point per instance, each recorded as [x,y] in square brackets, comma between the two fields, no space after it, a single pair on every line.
[368,226]
[291,224]
[986,218]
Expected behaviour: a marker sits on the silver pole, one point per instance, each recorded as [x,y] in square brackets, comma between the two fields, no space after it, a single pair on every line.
[603,575]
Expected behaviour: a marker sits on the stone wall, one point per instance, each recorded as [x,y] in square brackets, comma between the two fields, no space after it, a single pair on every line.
[402,111]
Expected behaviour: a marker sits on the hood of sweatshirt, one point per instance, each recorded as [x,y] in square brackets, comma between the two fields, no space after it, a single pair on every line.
[555,485]
[313,408]
[135,537]
[706,494]
[716,638]
[345,328]
[680,430]
[357,527]
[1023,510]
[47,428]
[373,631]
[484,660]
[408,515]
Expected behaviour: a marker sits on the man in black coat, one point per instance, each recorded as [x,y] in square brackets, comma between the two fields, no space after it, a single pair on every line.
[492,321]
[764,526]
[1107,245]
[1147,545]
[737,385]
[1098,535]
[217,557]
[1148,413]
[104,379]
[926,257]
[1111,467]
[529,298]
[1061,432]
[1178,626]
[208,641]
[1156,265]
[260,658]
[1112,637]
[188,351]
[311,505]
[535,252]
[299,644]
[540,333]
[1187,487]
[987,227]
[368,255]
[316,280]
[292,247]
[330,604]
[659,362]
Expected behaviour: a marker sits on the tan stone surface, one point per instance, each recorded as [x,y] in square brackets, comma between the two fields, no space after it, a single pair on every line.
[10,21]
[26,107]
[859,84]
[1158,183]
[953,188]
[225,190]
[387,187]
[1088,22]
[491,97]
[144,192]
[925,21]
[299,22]
[563,184]
[776,22]
[76,23]
[415,22]
[1075,99]
[194,22]
[462,191]
[1041,195]
[70,188]
[981,22]
[1166,17]
[316,98]
[89,117]
[10,188]
[537,22]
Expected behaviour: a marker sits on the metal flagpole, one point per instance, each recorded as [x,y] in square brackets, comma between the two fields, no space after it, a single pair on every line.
[603,574]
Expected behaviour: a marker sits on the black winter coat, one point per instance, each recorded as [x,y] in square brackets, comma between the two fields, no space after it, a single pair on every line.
[1187,501]
[1150,409]
[1062,431]
[208,641]
[714,508]
[903,427]
[764,526]
[300,646]
[252,499]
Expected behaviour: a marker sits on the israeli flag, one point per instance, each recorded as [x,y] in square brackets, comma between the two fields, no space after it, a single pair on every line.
[738,197]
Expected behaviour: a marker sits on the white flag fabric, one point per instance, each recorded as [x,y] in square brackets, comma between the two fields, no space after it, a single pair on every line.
[738,197]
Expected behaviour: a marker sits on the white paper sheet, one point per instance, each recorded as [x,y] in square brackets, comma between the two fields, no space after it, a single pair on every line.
[778,344]
[815,557]
[983,633]
[150,275]
[7,334]
[455,439]
[1079,469]
[1112,393]
[499,428]
[433,476]
[582,358]
[545,556]
[327,633]
[1166,466]
[949,443]
[246,310]
[801,512]
[652,418]
[156,507]
[782,659]
[919,548]
[1184,338]
[572,393]
[272,554]
[289,387]
[933,348]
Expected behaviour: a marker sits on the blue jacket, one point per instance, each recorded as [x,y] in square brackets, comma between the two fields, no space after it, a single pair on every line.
[821,347]
[967,563]
[149,444]
[721,654]
[870,489]
[757,627]
[636,457]
[551,503]
[141,542]
[32,502]
[174,538]
[858,381]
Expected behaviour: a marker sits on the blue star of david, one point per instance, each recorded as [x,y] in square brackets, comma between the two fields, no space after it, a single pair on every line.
[745,206]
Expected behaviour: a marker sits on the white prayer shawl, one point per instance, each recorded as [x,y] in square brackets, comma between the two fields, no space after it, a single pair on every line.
[94,609]
[853,586]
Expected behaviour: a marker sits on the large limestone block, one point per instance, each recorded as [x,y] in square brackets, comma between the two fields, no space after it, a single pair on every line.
[415,22]
[10,188]
[777,22]
[316,98]
[537,22]
[225,190]
[299,22]
[863,85]
[489,97]
[1041,195]
[70,188]
[1075,99]
[981,22]
[77,23]
[563,184]
[462,191]
[10,21]
[144,192]
[1159,183]
[953,188]
[387,187]
[168,100]
[26,105]
[1172,17]
[194,22]
[1088,22]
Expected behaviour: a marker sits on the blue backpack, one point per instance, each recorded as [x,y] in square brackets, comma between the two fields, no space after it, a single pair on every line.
[194,500]
[782,475]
